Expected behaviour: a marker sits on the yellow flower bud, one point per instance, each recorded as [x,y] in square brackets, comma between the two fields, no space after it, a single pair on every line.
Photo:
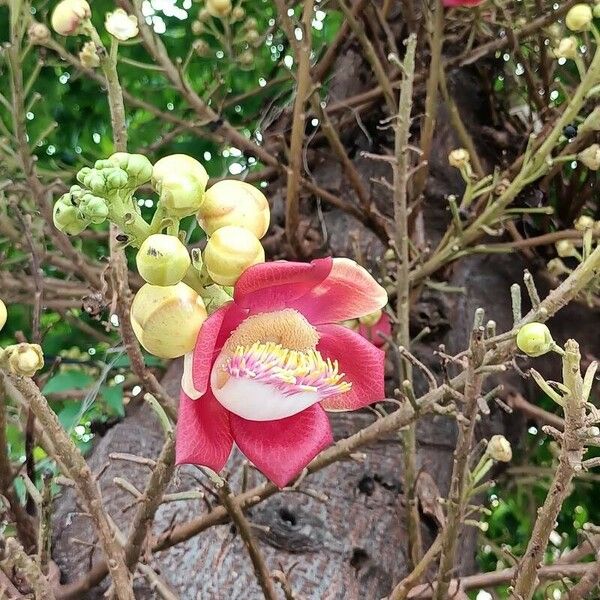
[535,339]
[353,324]
[557,267]
[499,449]
[69,15]
[371,319]
[229,252]
[180,180]
[567,48]
[565,248]
[590,157]
[584,222]
[38,33]
[579,18]
[238,13]
[166,319]
[218,8]
[232,202]
[459,158]
[23,359]
[3,314]
[162,259]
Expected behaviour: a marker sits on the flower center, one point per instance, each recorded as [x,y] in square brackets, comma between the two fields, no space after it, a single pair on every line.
[290,371]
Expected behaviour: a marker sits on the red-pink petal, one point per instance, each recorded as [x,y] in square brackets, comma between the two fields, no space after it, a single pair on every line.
[281,449]
[211,337]
[383,326]
[348,292]
[361,362]
[276,285]
[203,435]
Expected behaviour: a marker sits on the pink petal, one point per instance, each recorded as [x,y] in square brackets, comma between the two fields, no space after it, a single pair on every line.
[282,448]
[348,292]
[276,285]
[383,326]
[212,336]
[361,362]
[203,435]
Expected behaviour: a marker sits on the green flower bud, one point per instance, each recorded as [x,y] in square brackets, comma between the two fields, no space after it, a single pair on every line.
[535,339]
[137,166]
[162,259]
[180,181]
[23,359]
[93,208]
[3,314]
[371,319]
[104,180]
[66,216]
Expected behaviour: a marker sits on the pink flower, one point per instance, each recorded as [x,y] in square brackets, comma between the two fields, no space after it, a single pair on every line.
[269,364]
[450,3]
[383,326]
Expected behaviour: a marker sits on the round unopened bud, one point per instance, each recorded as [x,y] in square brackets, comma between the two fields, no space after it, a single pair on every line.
[252,36]
[567,48]
[201,48]
[535,339]
[229,252]
[233,202]
[88,56]
[69,15]
[3,314]
[66,217]
[579,17]
[24,359]
[557,267]
[590,157]
[238,13]
[180,181]
[198,27]
[584,222]
[565,248]
[166,319]
[246,58]
[499,449]
[204,15]
[371,319]
[250,23]
[38,33]
[162,259]
[218,8]
[459,158]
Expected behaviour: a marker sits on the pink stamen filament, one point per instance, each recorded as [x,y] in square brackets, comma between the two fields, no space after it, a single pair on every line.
[290,371]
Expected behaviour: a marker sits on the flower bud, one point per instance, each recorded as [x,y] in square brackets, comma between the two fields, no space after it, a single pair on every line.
[38,33]
[218,8]
[121,25]
[584,222]
[353,324]
[88,56]
[162,259]
[250,23]
[590,157]
[180,181]
[233,202]
[23,359]
[166,319]
[229,252]
[252,36]
[238,13]
[69,15]
[591,122]
[535,339]
[567,48]
[3,314]
[579,18]
[499,449]
[565,248]
[137,167]
[371,319]
[198,27]
[246,58]
[66,216]
[201,48]
[93,208]
[459,158]
[203,15]
[596,11]
[557,267]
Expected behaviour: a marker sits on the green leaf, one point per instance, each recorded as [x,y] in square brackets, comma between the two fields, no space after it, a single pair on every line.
[70,379]
[113,396]
[69,415]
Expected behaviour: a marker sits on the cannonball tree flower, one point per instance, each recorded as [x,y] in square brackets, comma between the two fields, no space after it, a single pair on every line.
[268,364]
[121,25]
[375,329]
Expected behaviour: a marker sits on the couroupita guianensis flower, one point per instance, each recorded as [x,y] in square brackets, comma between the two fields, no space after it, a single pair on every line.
[268,364]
